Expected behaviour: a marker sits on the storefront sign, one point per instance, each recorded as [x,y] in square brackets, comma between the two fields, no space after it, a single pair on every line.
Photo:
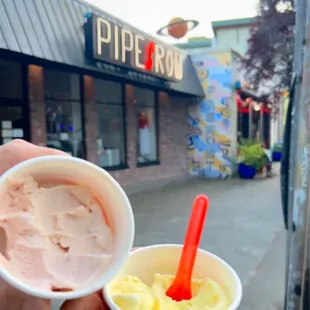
[109,42]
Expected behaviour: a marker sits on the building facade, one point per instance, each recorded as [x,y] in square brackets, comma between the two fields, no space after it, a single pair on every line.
[75,78]
[213,122]
[233,34]
[212,139]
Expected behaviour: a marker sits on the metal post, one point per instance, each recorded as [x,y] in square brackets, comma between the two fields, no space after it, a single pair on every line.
[280,119]
[261,125]
[250,120]
[299,187]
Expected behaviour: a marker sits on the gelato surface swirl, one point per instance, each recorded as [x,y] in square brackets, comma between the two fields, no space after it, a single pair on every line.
[130,293]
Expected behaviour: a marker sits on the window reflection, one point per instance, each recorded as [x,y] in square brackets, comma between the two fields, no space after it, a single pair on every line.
[146,125]
[63,112]
[11,123]
[11,80]
[63,126]
[111,133]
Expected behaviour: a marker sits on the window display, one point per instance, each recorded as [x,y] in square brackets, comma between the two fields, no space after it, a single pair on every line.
[111,131]
[14,123]
[146,124]
[11,124]
[63,112]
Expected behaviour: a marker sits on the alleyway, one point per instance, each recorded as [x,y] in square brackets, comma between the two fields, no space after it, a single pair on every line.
[244,227]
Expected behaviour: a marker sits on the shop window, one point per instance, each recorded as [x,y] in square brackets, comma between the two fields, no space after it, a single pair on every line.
[13,110]
[63,112]
[146,116]
[11,123]
[111,125]
[10,80]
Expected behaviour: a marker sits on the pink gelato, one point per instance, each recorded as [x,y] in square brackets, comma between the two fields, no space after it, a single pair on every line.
[53,237]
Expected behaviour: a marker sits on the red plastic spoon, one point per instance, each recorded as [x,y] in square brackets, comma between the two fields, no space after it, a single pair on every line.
[180,288]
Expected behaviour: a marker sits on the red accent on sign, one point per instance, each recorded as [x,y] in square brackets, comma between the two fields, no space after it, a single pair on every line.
[149,52]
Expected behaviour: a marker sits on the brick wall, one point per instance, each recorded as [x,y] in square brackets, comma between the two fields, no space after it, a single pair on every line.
[172,141]
[36,105]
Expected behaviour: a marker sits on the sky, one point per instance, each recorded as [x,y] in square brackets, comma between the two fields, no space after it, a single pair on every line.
[149,15]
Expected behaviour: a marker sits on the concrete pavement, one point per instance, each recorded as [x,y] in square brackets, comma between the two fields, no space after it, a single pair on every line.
[244,227]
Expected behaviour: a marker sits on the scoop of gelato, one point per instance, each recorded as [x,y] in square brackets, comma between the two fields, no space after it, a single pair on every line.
[130,293]
[53,236]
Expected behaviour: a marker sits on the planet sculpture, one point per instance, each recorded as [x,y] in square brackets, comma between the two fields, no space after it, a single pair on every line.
[178,27]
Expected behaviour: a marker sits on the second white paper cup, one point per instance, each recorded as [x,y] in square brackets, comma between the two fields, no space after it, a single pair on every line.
[164,258]
[108,193]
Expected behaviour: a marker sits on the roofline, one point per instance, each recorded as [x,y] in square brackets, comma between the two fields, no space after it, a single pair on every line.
[74,52]
[219,50]
[197,44]
[233,22]
[202,93]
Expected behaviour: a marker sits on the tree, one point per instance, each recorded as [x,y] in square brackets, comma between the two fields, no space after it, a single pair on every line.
[270,48]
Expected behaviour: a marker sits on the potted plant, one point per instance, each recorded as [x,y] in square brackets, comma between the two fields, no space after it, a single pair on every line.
[277,152]
[251,159]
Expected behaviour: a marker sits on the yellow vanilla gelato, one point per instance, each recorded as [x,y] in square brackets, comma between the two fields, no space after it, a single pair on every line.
[130,293]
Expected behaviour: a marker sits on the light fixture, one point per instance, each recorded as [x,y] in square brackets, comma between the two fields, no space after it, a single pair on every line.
[256,107]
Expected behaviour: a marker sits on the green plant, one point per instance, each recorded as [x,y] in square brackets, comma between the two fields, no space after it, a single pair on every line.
[277,147]
[252,155]
[248,142]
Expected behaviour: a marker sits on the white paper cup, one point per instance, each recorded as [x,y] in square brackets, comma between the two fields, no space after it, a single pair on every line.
[108,193]
[164,258]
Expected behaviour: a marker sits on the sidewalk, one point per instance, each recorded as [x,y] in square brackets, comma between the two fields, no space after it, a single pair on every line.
[244,227]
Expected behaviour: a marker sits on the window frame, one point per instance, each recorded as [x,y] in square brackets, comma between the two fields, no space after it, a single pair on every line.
[156,115]
[124,124]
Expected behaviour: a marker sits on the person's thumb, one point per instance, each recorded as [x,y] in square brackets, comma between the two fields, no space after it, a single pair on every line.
[91,302]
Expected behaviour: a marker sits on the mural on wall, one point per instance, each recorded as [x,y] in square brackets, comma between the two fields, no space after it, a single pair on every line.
[209,138]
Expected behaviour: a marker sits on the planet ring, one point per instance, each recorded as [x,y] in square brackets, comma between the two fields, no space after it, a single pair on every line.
[194,24]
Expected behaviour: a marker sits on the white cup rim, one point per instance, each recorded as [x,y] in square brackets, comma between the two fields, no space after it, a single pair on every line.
[239,289]
[110,272]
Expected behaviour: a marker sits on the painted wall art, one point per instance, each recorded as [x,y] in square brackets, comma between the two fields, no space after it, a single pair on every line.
[209,121]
